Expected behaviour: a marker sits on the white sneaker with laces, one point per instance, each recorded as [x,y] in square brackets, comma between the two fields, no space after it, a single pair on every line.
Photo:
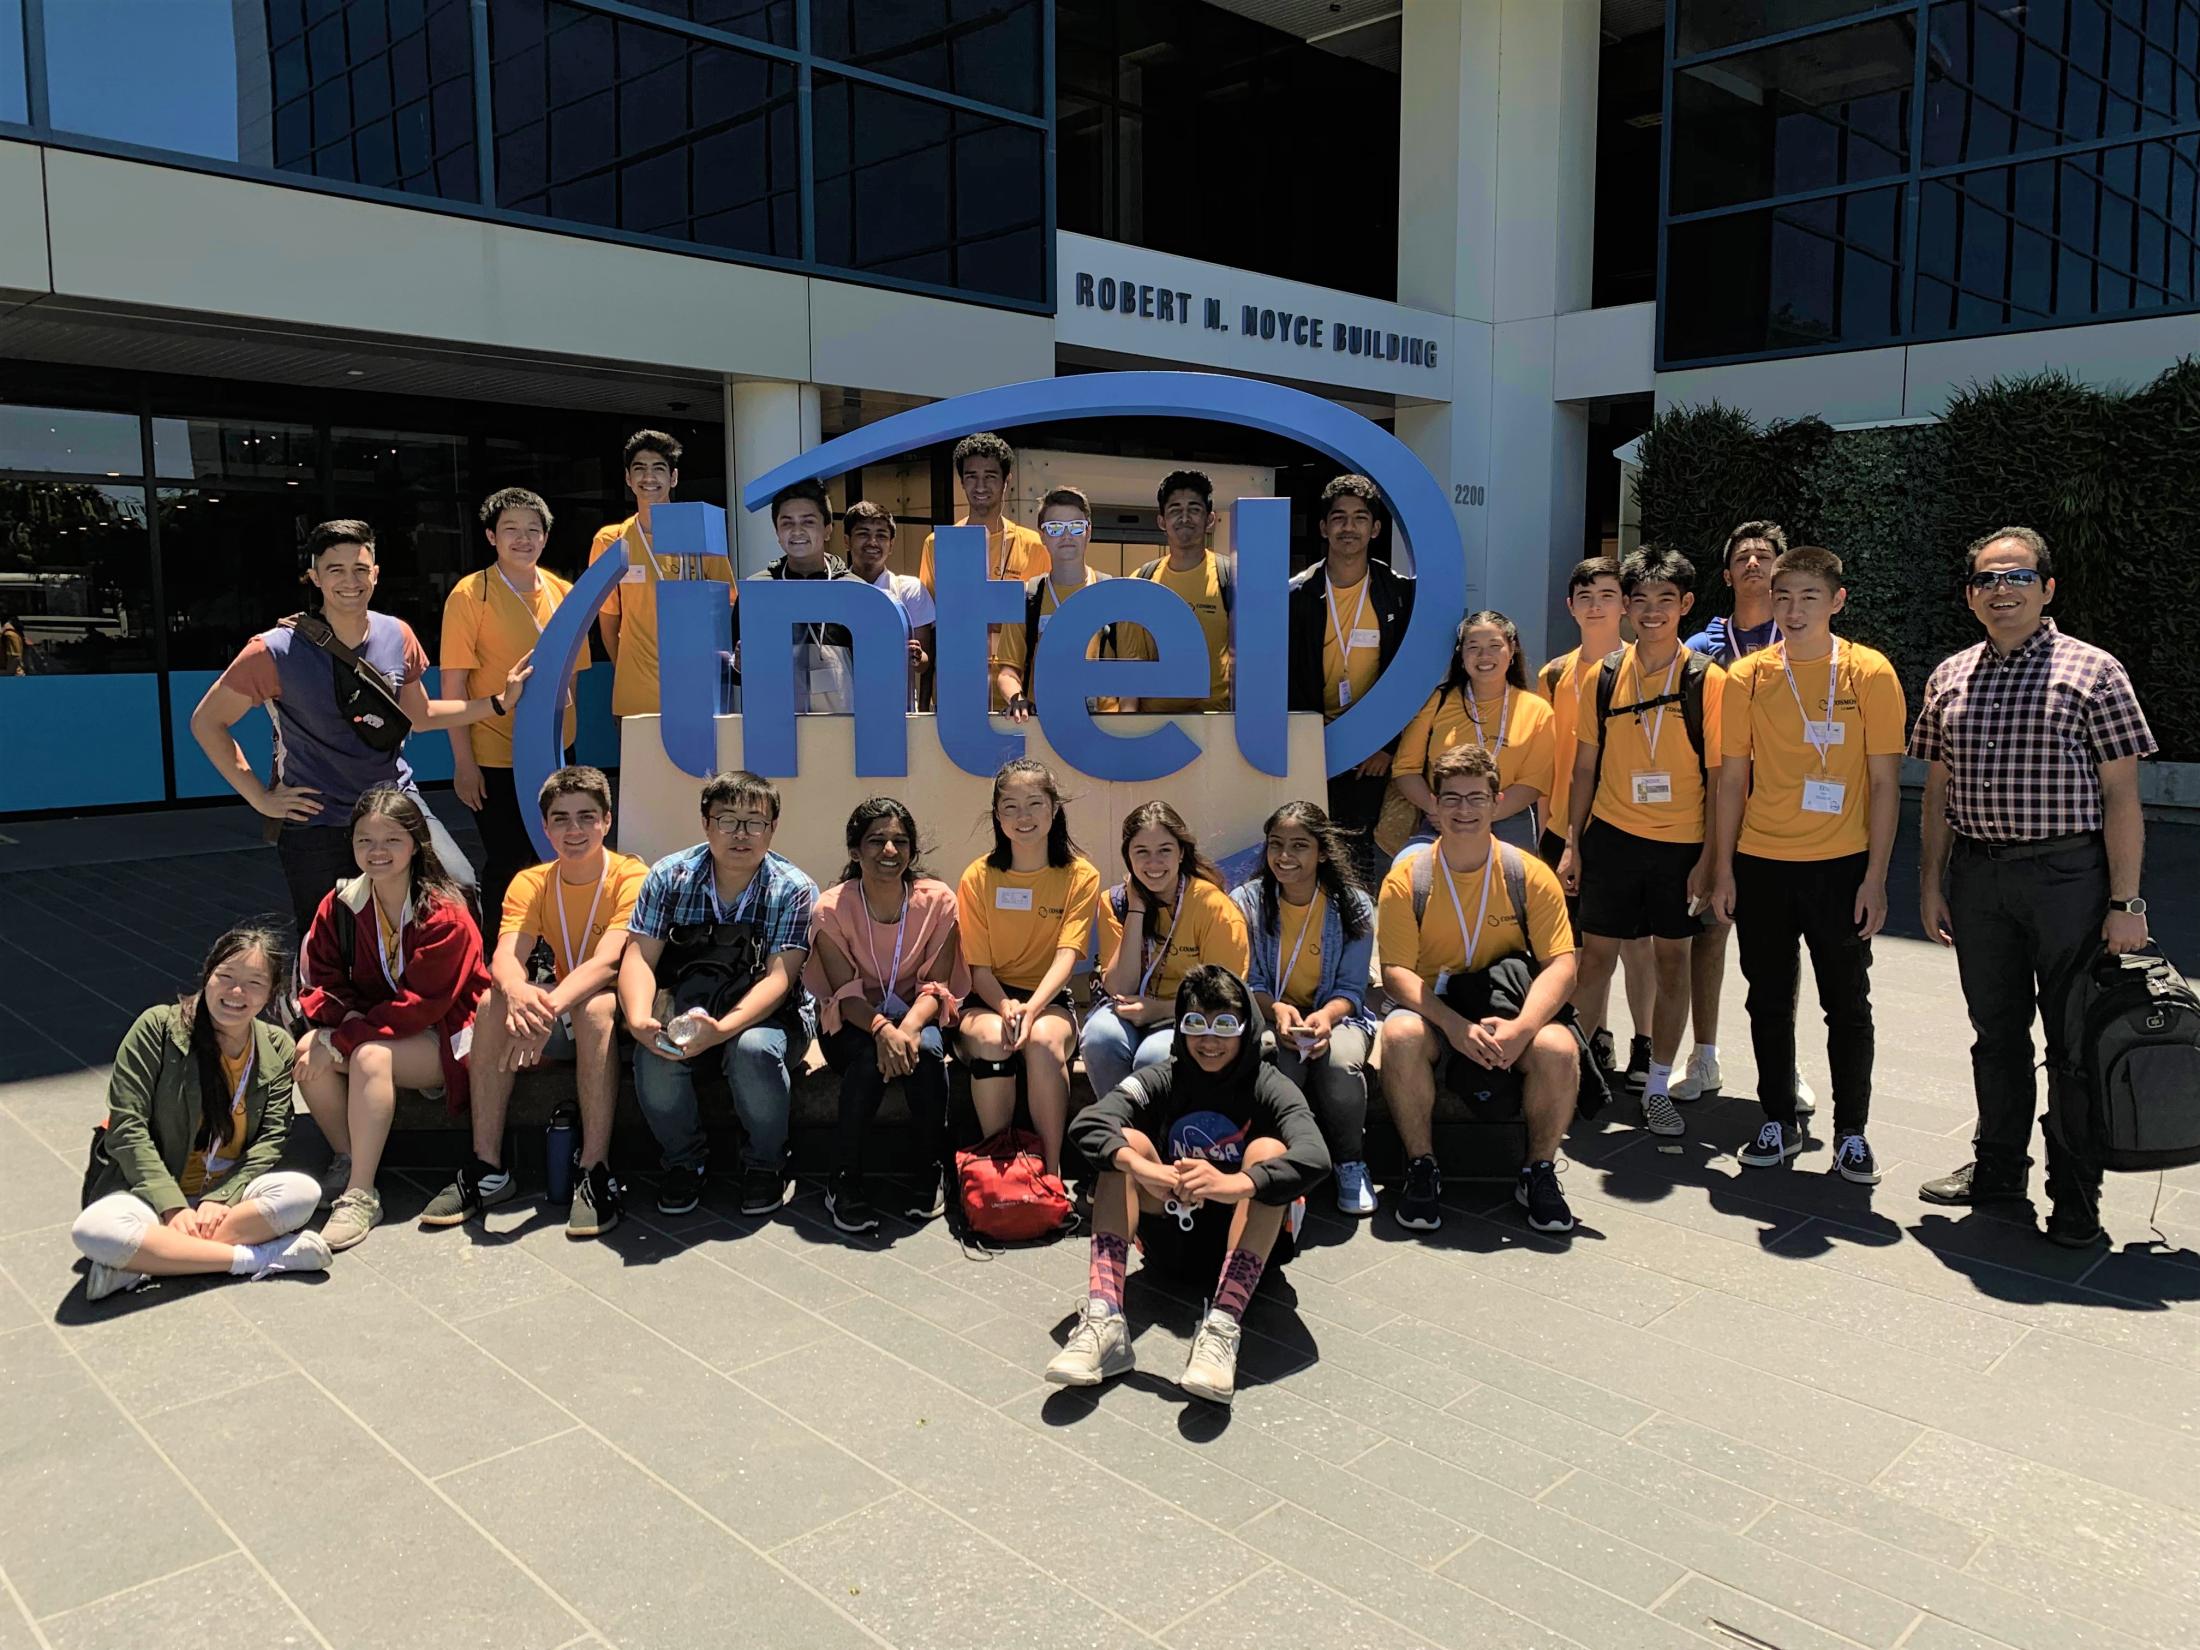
[1773,1146]
[1211,1371]
[102,1281]
[1806,1098]
[1659,1117]
[1701,1080]
[1355,1191]
[299,1252]
[1098,1349]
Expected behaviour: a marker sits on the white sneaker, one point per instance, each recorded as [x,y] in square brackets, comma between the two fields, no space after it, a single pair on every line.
[1355,1191]
[103,1280]
[1806,1099]
[1211,1371]
[299,1252]
[1659,1117]
[1098,1349]
[1700,1081]
[355,1215]
[335,1178]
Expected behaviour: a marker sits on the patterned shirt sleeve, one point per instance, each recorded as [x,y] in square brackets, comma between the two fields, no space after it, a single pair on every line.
[790,906]
[1927,739]
[652,918]
[2115,726]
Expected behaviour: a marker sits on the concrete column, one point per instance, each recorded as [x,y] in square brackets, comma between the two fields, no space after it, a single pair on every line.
[1498,128]
[767,423]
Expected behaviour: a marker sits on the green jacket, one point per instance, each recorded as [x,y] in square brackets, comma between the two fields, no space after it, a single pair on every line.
[153,1111]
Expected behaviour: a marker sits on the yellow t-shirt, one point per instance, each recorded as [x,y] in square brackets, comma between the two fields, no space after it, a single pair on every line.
[1201,590]
[1014,921]
[1302,929]
[1527,756]
[1561,688]
[1008,639]
[200,1170]
[1433,945]
[393,939]
[1014,552]
[527,908]
[1763,726]
[1211,930]
[633,600]
[1679,817]
[1359,661]
[488,627]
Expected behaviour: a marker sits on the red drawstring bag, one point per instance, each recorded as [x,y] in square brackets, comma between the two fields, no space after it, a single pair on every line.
[1007,1194]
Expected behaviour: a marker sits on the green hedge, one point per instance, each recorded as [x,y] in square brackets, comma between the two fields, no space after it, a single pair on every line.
[2111,477]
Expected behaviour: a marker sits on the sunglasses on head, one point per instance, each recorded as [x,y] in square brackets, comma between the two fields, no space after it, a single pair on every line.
[1218,1025]
[2013,578]
[1075,529]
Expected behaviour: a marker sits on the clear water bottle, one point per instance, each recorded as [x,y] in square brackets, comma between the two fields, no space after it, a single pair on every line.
[561,1140]
[686,1027]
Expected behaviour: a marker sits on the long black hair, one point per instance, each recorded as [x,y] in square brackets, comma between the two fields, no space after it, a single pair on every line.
[1061,848]
[1333,874]
[214,1097]
[868,813]
[1516,673]
[430,881]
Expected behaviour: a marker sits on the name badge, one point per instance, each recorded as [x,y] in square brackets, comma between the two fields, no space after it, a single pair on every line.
[1012,899]
[1366,638]
[1823,796]
[1825,733]
[1043,622]
[1653,788]
[1344,693]
[1443,978]
[633,574]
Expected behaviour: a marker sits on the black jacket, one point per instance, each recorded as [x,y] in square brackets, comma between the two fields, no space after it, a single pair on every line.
[1251,1095]
[1390,595]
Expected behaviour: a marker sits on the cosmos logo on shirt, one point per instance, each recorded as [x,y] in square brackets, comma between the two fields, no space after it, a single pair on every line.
[1209,1135]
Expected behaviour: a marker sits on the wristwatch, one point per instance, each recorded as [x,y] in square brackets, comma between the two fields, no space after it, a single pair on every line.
[2134,906]
[496,703]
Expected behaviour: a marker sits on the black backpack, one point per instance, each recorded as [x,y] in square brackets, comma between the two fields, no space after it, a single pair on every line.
[1689,696]
[2135,1027]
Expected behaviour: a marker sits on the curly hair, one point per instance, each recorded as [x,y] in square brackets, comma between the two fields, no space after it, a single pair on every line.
[985,444]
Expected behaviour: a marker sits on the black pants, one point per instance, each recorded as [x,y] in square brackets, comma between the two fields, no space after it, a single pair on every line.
[853,1054]
[506,848]
[315,859]
[1779,906]
[1356,803]
[2025,926]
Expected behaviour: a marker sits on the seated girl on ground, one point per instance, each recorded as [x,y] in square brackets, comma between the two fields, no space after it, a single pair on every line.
[1202,1157]
[1024,913]
[197,1110]
[1313,936]
[392,973]
[888,976]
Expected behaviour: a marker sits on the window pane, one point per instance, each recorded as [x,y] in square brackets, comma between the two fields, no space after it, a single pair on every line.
[987,50]
[770,20]
[1824,110]
[609,122]
[70,441]
[14,99]
[2028,77]
[1793,277]
[229,568]
[230,449]
[259,85]
[76,573]
[928,193]
[1706,25]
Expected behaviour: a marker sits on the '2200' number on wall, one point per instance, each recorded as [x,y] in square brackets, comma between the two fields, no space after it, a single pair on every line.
[1468,492]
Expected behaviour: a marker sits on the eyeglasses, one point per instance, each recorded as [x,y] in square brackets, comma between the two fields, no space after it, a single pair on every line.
[1075,529]
[2010,578]
[1220,1025]
[1473,803]
[739,825]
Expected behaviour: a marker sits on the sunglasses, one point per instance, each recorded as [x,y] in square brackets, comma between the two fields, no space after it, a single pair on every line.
[2011,578]
[1075,529]
[1220,1025]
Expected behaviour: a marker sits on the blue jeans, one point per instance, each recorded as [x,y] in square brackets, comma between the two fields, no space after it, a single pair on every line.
[759,1071]
[1114,1050]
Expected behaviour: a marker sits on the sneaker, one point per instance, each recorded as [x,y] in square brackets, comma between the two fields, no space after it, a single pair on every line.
[466,1195]
[1659,1117]
[2072,1225]
[1098,1349]
[1966,1186]
[679,1191]
[845,1202]
[1355,1191]
[1638,1062]
[1806,1097]
[596,1207]
[1419,1210]
[1853,1160]
[335,1178]
[104,1280]
[1211,1371]
[355,1215]
[1774,1145]
[299,1252]
[762,1191]
[1700,1081]
[932,1194]
[1538,1193]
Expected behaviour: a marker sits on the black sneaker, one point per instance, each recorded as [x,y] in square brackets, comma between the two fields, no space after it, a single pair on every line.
[465,1197]
[928,1201]
[596,1206]
[1638,1062]
[1538,1193]
[762,1191]
[844,1201]
[1418,1210]
[1853,1160]
[679,1191]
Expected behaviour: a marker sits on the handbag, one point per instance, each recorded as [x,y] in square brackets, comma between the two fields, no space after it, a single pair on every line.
[1006,1193]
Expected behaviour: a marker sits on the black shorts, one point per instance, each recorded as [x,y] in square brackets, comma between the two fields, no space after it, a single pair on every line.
[1633,887]
[1551,848]
[1196,1256]
[975,1004]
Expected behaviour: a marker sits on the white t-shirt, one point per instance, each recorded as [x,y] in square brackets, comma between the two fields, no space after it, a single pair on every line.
[911,597]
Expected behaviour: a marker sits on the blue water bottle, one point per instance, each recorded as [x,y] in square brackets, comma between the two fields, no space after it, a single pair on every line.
[560,1150]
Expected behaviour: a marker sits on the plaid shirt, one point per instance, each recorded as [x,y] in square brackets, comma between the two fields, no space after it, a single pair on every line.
[682,888]
[2023,737]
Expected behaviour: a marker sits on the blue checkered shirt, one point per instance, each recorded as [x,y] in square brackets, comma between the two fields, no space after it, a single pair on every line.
[681,889]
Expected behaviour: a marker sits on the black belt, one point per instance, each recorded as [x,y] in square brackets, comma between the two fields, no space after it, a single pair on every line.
[2026,850]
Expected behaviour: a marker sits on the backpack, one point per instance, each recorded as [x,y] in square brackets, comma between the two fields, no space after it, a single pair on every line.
[2136,1026]
[1006,1193]
[1225,582]
[1689,696]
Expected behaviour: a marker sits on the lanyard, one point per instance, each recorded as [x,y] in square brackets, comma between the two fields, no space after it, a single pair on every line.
[746,902]
[525,606]
[396,942]
[565,934]
[870,943]
[1344,632]
[1161,947]
[1833,678]
[649,551]
[1504,717]
[1468,936]
[1657,722]
[1284,969]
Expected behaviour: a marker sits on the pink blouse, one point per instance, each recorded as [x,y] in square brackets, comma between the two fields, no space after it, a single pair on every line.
[925,928]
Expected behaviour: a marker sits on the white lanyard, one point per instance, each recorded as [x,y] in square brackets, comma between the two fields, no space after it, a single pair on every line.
[1833,681]
[1161,947]
[1657,722]
[747,899]
[525,606]
[565,934]
[211,1161]
[1468,936]
[381,951]
[649,551]
[1344,633]
[1284,969]
[1504,718]
[901,929]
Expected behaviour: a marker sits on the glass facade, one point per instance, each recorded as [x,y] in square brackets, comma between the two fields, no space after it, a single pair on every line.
[1839,175]
[763,130]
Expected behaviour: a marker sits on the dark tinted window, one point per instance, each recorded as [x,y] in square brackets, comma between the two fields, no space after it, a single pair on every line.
[988,50]
[1791,277]
[770,20]
[14,93]
[1706,25]
[76,576]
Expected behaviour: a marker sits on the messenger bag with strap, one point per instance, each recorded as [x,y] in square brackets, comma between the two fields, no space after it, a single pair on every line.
[369,704]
